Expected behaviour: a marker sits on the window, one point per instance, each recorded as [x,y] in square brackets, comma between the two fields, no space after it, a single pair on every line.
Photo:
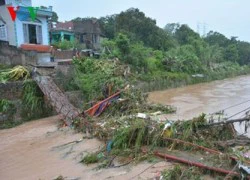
[95,38]
[32,34]
[2,2]
[3,32]
[82,38]
[67,37]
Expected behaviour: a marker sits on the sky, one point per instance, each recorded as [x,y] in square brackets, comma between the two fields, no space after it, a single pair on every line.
[229,17]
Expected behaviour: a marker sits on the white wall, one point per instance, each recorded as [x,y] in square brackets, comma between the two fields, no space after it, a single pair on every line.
[10,25]
[44,24]
[19,2]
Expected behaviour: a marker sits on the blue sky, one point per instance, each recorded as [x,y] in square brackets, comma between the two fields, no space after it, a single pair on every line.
[230,17]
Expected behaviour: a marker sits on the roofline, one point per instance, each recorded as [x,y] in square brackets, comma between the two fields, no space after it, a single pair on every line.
[41,12]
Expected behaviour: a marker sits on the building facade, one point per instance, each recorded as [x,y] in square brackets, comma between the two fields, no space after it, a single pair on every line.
[24,29]
[86,31]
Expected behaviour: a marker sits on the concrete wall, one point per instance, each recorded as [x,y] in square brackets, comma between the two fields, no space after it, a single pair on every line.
[11,90]
[11,34]
[65,69]
[10,55]
[43,58]
[64,54]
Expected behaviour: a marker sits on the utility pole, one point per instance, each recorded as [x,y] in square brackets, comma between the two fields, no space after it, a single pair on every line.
[202,26]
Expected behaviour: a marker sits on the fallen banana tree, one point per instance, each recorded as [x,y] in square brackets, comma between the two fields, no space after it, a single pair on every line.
[14,74]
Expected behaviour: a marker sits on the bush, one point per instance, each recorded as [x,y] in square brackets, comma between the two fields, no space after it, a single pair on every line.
[67,45]
[93,76]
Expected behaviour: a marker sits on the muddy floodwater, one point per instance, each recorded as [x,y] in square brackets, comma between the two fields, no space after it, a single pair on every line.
[38,150]
[192,100]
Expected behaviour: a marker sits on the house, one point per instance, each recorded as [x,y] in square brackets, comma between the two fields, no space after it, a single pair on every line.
[24,29]
[85,31]
[62,31]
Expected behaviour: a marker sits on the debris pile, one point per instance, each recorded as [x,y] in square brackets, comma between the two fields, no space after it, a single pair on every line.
[128,125]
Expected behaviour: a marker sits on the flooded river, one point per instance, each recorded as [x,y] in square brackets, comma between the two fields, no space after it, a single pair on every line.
[192,100]
[38,150]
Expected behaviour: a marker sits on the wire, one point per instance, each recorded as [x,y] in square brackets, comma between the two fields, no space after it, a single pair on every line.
[232,106]
[238,113]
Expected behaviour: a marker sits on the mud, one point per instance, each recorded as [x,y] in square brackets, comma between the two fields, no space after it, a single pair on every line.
[37,151]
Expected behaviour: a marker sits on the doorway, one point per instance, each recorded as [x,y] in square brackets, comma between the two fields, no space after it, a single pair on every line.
[32,34]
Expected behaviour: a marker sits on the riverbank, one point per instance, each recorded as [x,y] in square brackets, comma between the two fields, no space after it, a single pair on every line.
[127,135]
[190,101]
[167,80]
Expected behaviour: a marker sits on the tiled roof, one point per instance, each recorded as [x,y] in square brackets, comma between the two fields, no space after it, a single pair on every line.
[65,25]
[36,47]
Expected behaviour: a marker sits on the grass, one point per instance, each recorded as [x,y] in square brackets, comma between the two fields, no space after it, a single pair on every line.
[179,173]
[8,109]
[166,80]
[10,124]
[33,104]
[90,159]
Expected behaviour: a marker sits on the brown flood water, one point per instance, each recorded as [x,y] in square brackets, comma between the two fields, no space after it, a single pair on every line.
[34,151]
[37,151]
[192,100]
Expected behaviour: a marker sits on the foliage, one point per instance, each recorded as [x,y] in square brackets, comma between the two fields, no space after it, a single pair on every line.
[33,102]
[180,173]
[66,82]
[107,25]
[6,106]
[8,109]
[131,136]
[133,38]
[67,45]
[14,74]
[171,28]
[93,77]
[90,158]
[231,53]
[54,17]
[185,35]
[122,43]
[137,27]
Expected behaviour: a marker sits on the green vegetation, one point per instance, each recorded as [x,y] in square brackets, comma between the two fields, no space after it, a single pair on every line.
[7,110]
[168,57]
[33,105]
[180,173]
[67,45]
[92,76]
[14,74]
[90,159]
[6,106]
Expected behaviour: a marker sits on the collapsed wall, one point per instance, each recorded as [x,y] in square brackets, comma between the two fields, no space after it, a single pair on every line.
[57,98]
